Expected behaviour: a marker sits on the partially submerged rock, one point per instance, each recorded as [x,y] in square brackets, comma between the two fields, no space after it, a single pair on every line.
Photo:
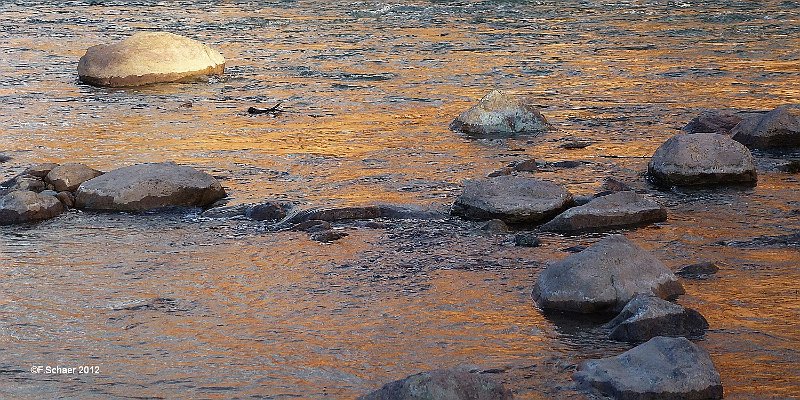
[698,271]
[27,206]
[443,384]
[646,316]
[603,278]
[620,209]
[662,368]
[715,121]
[351,213]
[501,113]
[513,199]
[777,128]
[67,177]
[702,159]
[328,236]
[527,239]
[149,57]
[148,186]
[265,211]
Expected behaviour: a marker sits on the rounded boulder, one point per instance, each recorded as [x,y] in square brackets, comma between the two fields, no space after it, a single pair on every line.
[702,159]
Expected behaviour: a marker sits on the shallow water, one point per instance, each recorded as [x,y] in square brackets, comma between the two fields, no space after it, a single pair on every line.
[176,306]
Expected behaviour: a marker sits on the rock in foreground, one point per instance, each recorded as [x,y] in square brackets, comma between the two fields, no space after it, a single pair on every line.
[645,317]
[777,128]
[148,57]
[702,159]
[450,384]
[603,278]
[513,199]
[26,206]
[501,113]
[615,210]
[662,368]
[148,186]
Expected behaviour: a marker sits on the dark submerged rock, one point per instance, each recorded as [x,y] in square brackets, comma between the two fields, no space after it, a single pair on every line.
[26,206]
[351,213]
[620,209]
[444,384]
[646,316]
[515,200]
[328,236]
[715,121]
[615,185]
[702,159]
[777,128]
[662,368]
[603,278]
[501,113]
[67,177]
[312,226]
[527,239]
[791,167]
[4,158]
[495,226]
[149,186]
[699,270]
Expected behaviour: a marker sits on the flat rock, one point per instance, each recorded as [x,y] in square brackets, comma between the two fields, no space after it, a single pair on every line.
[501,113]
[777,128]
[702,159]
[620,209]
[443,384]
[146,58]
[663,368]
[40,170]
[513,199]
[67,177]
[352,213]
[603,278]
[646,316]
[149,186]
[27,206]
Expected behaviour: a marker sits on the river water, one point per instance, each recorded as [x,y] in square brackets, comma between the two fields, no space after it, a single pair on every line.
[177,306]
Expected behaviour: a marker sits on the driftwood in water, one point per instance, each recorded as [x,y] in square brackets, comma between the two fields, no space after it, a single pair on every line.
[272,110]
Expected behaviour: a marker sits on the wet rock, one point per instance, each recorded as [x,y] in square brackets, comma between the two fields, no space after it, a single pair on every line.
[328,236]
[528,165]
[777,128]
[565,164]
[40,170]
[23,183]
[614,185]
[527,239]
[312,226]
[149,57]
[149,186]
[572,143]
[714,121]
[27,206]
[350,213]
[267,211]
[702,159]
[376,225]
[512,199]
[505,171]
[574,249]
[226,212]
[495,226]
[66,198]
[582,199]
[501,113]
[443,384]
[662,368]
[773,241]
[620,209]
[698,271]
[603,278]
[646,316]
[791,167]
[67,177]
[49,193]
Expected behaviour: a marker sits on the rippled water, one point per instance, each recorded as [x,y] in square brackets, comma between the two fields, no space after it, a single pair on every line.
[174,306]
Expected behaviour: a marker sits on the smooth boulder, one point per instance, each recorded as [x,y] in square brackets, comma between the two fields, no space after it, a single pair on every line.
[149,186]
[646,316]
[67,177]
[702,159]
[777,128]
[501,113]
[620,209]
[603,278]
[27,206]
[444,384]
[662,368]
[513,199]
[149,57]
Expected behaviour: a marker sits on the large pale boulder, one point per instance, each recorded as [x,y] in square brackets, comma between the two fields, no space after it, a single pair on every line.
[513,199]
[67,177]
[501,113]
[702,159]
[26,206]
[148,186]
[663,368]
[646,316]
[447,384]
[777,128]
[603,278]
[149,57]
[615,210]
